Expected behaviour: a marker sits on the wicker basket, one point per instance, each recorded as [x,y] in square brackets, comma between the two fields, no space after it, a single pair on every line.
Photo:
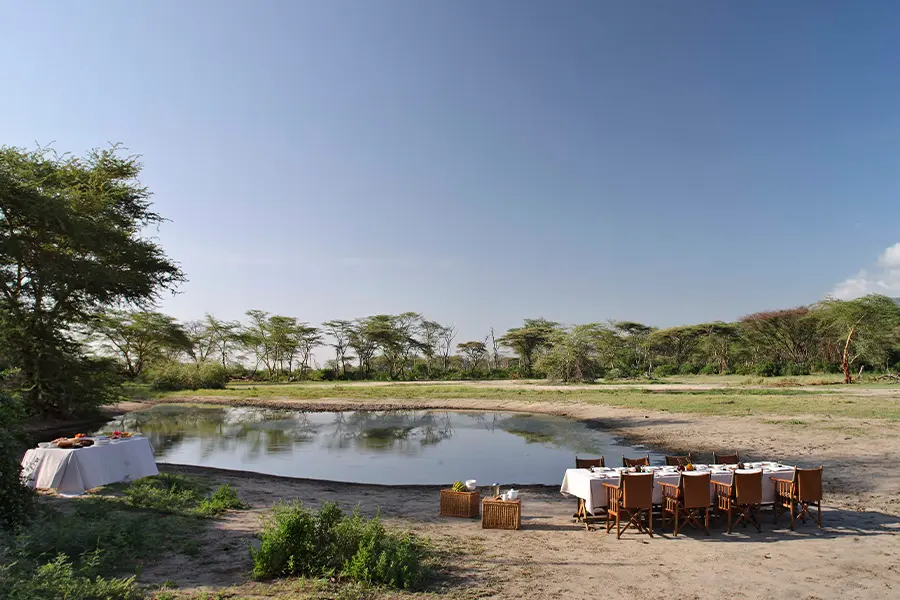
[501,514]
[459,504]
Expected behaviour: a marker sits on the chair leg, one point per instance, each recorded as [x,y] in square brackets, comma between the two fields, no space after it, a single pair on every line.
[618,527]
[729,519]
[675,533]
[650,518]
[793,518]
[758,518]
[819,513]
[706,521]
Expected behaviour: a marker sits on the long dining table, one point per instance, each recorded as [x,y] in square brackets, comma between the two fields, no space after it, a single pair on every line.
[587,484]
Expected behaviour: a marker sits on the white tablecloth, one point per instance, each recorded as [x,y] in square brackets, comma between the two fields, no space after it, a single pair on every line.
[582,483]
[73,471]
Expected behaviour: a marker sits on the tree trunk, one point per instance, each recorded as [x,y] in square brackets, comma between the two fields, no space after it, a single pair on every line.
[845,357]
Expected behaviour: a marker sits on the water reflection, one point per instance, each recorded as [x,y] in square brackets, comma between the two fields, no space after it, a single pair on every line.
[414,446]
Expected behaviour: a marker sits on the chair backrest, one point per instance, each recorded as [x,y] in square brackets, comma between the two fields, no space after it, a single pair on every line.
[675,461]
[695,490]
[637,490]
[727,459]
[747,487]
[809,484]
[586,463]
[643,461]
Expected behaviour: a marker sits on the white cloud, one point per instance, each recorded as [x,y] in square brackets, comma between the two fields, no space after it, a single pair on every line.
[883,278]
[890,258]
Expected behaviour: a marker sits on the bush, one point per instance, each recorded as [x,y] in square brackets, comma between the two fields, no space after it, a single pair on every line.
[175,376]
[665,371]
[710,370]
[16,500]
[223,498]
[177,494]
[299,542]
[59,578]
[768,369]
[793,370]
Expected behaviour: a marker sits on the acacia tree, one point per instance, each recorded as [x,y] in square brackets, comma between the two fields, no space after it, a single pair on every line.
[308,338]
[138,337]
[71,245]
[867,328]
[223,337]
[340,332]
[528,340]
[718,341]
[363,344]
[636,345]
[578,353]
[788,335]
[446,335]
[473,353]
[202,343]
[675,343]
[429,338]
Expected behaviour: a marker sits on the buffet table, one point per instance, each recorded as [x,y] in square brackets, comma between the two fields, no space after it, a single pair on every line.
[587,484]
[72,471]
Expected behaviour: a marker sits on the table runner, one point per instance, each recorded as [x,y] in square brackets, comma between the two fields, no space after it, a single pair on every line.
[587,485]
[72,471]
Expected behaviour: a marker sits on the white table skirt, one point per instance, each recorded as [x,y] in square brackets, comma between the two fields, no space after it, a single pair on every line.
[584,484]
[72,471]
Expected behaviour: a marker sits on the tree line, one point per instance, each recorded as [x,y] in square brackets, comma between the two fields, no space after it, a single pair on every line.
[829,336]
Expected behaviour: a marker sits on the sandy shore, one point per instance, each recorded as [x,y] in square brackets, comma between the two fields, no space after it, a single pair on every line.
[856,554]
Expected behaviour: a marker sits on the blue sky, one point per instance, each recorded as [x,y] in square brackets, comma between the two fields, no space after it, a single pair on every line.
[482,162]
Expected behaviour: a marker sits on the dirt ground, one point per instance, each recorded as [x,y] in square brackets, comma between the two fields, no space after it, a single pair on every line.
[856,554]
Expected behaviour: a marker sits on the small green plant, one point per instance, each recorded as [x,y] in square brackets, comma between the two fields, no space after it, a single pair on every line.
[177,494]
[458,486]
[296,541]
[223,498]
[59,578]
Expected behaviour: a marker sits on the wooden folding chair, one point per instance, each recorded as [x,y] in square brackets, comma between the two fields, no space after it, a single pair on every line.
[800,493]
[632,499]
[744,495]
[726,459]
[678,461]
[643,461]
[686,501]
[585,463]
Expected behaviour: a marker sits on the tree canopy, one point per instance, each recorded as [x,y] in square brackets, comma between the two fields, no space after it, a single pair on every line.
[72,244]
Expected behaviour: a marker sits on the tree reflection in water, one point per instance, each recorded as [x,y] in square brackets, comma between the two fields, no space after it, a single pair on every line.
[399,430]
[255,431]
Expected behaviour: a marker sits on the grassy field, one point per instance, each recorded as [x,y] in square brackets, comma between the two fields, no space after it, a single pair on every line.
[728,401]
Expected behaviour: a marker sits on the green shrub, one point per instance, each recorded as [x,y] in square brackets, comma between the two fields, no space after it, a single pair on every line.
[665,371]
[223,498]
[164,493]
[710,370]
[16,500]
[177,494]
[299,542]
[174,376]
[768,369]
[792,370]
[59,578]
[688,369]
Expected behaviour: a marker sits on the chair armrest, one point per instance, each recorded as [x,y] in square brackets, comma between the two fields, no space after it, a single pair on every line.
[610,486]
[783,487]
[669,490]
[722,488]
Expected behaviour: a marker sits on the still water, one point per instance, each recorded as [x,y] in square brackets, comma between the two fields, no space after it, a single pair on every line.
[386,447]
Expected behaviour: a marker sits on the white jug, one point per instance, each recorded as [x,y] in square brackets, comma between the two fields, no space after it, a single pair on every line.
[512,494]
